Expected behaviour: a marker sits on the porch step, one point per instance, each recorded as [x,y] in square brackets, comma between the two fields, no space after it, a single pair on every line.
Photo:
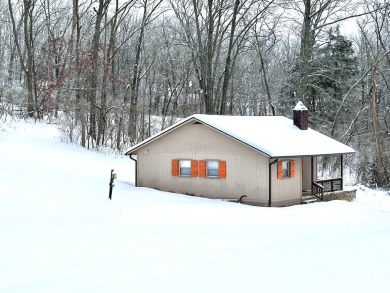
[306,199]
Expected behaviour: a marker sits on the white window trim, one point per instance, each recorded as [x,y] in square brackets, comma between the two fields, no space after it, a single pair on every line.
[288,169]
[184,160]
[207,169]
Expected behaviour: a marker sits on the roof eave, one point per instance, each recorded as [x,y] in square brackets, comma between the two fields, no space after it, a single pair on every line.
[310,155]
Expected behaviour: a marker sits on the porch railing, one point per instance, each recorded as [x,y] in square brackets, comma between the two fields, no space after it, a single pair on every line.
[326,185]
[318,190]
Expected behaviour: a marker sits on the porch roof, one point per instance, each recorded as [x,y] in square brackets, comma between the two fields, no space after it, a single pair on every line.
[276,136]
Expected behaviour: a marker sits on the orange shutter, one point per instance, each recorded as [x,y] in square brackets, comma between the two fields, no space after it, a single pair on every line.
[292,168]
[175,167]
[280,170]
[222,169]
[202,168]
[194,168]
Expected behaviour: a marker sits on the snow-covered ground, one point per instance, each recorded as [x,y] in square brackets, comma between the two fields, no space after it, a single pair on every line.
[60,233]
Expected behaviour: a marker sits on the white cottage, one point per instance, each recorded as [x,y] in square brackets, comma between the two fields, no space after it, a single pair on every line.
[272,160]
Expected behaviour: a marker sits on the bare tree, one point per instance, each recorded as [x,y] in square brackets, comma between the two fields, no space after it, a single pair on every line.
[149,9]
[26,60]
[242,17]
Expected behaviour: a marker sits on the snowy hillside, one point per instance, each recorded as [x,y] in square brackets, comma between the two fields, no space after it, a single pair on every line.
[60,233]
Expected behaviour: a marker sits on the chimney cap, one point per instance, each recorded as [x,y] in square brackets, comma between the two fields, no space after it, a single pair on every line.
[300,107]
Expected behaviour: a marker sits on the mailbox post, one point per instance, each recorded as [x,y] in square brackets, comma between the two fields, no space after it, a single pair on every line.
[112,178]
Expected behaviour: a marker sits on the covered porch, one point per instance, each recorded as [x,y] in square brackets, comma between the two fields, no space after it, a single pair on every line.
[323,189]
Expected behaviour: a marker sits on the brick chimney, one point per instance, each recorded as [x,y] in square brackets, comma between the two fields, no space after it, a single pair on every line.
[301,116]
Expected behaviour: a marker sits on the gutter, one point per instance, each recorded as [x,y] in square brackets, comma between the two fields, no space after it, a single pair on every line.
[270,182]
[136,168]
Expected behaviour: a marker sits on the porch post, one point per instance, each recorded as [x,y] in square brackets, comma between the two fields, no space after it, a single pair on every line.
[312,175]
[342,173]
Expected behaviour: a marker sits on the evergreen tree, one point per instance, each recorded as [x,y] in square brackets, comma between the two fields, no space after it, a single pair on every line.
[333,68]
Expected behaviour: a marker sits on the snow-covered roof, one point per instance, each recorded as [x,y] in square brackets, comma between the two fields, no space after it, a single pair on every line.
[276,136]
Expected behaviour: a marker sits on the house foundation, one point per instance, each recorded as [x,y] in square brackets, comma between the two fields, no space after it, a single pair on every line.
[348,195]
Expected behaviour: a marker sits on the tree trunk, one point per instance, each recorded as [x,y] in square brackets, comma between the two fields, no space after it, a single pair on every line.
[266,85]
[75,47]
[100,12]
[227,74]
[380,170]
[28,40]
[26,64]
[305,54]
[134,86]
[103,95]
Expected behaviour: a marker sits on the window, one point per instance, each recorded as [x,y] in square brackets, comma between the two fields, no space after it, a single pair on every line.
[212,168]
[286,169]
[184,167]
[201,168]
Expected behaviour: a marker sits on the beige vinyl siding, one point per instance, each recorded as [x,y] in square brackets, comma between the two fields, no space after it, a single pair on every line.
[288,190]
[246,168]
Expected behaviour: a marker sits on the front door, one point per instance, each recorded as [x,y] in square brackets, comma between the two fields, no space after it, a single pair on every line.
[306,173]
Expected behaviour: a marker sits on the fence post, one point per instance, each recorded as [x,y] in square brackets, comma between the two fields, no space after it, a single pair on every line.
[112,177]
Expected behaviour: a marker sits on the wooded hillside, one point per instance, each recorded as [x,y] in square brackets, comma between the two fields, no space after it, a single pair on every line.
[106,69]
